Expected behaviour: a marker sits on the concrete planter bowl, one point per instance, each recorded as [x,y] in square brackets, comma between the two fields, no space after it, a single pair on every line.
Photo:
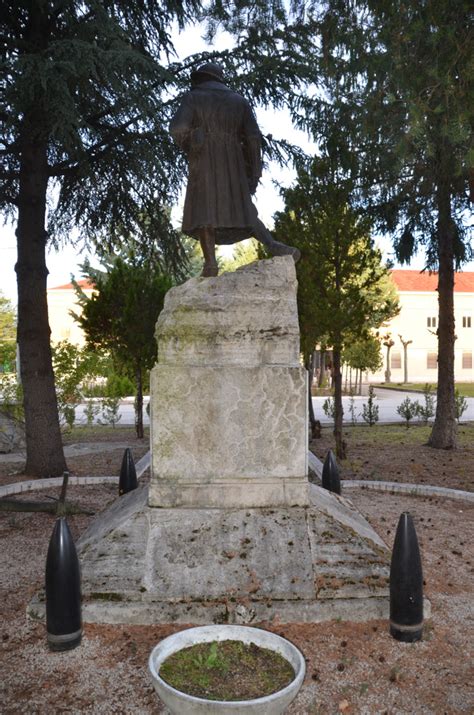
[182,704]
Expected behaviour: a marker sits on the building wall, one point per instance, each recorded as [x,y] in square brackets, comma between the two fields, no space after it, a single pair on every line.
[61,301]
[415,322]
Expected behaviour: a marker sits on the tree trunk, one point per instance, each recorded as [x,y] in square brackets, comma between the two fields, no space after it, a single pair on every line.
[338,411]
[388,373]
[139,403]
[312,418]
[444,432]
[322,367]
[405,344]
[44,449]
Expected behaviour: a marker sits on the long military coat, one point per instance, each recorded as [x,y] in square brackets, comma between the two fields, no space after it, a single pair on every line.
[217,130]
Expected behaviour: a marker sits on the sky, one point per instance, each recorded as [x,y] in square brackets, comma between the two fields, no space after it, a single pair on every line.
[278,123]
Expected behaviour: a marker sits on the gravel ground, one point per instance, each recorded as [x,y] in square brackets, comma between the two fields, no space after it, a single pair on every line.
[351,668]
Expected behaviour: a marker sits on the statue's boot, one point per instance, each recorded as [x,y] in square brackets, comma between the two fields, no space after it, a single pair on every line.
[276,248]
[208,245]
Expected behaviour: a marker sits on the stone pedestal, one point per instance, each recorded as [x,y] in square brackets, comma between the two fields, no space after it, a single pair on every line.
[146,565]
[241,535]
[228,394]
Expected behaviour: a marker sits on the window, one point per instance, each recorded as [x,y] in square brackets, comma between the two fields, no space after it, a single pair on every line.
[431,322]
[432,361]
[395,360]
[467,361]
[466,321]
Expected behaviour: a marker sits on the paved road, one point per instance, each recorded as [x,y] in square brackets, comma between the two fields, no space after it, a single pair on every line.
[387,401]
[127,412]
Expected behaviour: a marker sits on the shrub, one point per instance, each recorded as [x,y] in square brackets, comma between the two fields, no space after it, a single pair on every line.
[460,404]
[11,397]
[91,411]
[352,409]
[370,411]
[329,407]
[119,386]
[426,411]
[408,409]
[110,411]
[68,414]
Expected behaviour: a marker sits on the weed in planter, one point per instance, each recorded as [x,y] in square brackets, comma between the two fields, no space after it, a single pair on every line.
[227,670]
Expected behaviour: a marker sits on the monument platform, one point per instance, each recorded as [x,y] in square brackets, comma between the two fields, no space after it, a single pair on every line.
[145,565]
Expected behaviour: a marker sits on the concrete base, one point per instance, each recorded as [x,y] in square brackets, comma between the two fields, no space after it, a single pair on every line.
[147,565]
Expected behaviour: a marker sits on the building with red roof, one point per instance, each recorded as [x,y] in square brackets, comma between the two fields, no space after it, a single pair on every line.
[427,281]
[417,323]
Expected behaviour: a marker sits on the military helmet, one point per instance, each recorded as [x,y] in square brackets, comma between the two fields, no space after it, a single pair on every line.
[210,70]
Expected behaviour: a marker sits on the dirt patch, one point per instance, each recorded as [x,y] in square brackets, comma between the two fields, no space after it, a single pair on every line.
[397,454]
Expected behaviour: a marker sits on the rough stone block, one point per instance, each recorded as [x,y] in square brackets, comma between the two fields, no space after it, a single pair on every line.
[247,318]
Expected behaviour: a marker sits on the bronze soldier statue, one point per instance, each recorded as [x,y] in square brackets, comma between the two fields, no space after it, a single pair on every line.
[218,132]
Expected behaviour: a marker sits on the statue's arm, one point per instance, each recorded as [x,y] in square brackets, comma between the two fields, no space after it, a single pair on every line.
[252,148]
[181,125]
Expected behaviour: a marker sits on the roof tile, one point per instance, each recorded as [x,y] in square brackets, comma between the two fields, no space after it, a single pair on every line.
[84,283]
[409,280]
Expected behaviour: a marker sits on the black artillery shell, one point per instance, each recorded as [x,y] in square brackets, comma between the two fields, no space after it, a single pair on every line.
[128,475]
[406,584]
[63,590]
[330,477]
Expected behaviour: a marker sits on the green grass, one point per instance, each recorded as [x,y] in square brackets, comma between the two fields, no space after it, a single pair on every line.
[465,388]
[101,433]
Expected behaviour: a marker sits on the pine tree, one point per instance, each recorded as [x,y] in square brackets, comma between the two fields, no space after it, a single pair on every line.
[341,279]
[397,111]
[121,315]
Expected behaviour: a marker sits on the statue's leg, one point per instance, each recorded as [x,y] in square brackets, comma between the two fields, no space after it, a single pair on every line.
[276,248]
[207,240]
